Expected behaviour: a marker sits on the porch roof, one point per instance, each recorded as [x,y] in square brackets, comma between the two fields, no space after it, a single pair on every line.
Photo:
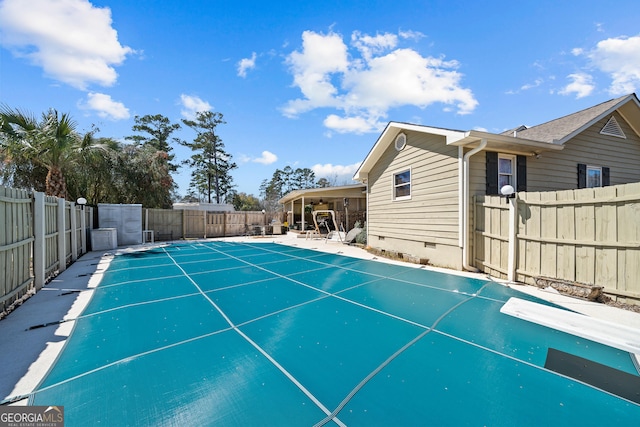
[315,194]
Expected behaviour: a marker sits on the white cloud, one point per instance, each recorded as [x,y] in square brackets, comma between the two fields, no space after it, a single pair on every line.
[71,40]
[312,69]
[191,105]
[364,87]
[372,45]
[582,85]
[267,158]
[105,107]
[357,125]
[620,58]
[411,35]
[246,64]
[535,84]
[336,174]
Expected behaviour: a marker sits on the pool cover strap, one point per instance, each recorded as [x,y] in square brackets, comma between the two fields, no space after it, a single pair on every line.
[601,376]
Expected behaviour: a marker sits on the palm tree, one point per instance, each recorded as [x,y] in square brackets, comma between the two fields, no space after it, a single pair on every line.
[51,142]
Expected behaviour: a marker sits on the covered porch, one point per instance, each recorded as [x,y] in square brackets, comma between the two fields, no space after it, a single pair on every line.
[349,203]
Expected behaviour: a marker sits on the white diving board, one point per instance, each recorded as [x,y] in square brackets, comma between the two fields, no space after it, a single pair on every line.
[612,334]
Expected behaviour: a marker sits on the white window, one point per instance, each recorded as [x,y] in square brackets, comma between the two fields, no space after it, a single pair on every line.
[402,185]
[506,170]
[594,176]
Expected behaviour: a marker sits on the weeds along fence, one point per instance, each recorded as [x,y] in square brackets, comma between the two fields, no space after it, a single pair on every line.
[39,237]
[586,236]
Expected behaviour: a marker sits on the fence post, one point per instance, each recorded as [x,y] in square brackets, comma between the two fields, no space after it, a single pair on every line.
[62,256]
[225,221]
[83,232]
[39,242]
[74,232]
[513,224]
[184,224]
[204,216]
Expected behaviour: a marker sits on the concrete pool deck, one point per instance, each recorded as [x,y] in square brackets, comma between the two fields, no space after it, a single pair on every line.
[26,354]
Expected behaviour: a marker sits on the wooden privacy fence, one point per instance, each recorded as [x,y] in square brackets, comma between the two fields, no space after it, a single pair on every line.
[173,224]
[588,236]
[39,236]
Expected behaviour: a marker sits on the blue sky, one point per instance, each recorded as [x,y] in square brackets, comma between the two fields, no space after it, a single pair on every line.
[312,83]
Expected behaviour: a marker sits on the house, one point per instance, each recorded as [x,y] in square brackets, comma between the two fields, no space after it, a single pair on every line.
[421,180]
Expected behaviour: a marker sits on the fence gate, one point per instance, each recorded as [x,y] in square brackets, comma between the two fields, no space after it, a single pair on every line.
[491,235]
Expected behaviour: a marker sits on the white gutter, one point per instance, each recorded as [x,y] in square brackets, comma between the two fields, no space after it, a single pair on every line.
[465,204]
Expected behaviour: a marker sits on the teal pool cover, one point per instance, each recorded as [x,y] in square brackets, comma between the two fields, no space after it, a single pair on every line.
[244,334]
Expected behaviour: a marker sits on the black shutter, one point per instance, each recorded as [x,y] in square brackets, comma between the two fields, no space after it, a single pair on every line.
[582,175]
[492,172]
[606,181]
[521,173]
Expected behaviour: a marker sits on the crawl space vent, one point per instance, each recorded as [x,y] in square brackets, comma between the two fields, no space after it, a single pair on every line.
[612,128]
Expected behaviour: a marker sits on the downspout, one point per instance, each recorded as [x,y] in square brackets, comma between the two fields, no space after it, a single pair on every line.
[366,207]
[465,204]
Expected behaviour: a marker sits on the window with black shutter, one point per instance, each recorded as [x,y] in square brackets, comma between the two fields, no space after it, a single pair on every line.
[593,176]
[505,169]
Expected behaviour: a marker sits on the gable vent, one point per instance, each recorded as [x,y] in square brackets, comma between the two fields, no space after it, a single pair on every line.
[401,141]
[612,128]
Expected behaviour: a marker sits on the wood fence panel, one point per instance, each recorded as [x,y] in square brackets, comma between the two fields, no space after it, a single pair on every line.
[235,223]
[16,240]
[585,232]
[193,223]
[216,224]
[589,236]
[548,263]
[566,232]
[17,236]
[165,223]
[491,235]
[78,212]
[628,217]
[51,233]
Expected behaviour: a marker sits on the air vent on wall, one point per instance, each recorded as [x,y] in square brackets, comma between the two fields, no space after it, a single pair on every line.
[612,128]
[401,141]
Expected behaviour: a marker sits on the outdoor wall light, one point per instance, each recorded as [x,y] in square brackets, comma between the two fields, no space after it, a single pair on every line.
[508,192]
[81,201]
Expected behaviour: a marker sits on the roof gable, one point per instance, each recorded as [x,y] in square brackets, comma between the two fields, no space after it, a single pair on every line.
[388,137]
[559,131]
[549,136]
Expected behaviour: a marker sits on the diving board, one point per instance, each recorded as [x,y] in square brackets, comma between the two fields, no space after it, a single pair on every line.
[615,335]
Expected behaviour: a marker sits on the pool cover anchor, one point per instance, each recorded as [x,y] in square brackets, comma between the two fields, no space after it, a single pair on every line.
[44,325]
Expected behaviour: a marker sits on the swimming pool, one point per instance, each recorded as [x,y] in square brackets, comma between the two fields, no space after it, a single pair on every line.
[222,333]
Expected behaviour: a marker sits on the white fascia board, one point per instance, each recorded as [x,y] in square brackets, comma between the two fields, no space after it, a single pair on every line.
[387,137]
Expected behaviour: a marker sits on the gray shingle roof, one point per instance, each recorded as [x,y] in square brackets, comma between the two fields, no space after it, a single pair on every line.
[559,129]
